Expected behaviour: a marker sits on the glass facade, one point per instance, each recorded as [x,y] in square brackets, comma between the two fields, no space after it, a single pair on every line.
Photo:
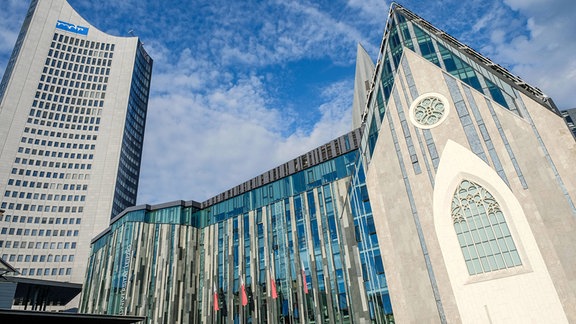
[126,189]
[17,47]
[294,243]
[371,265]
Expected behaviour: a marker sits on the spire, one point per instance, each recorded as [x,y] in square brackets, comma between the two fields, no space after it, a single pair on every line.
[362,84]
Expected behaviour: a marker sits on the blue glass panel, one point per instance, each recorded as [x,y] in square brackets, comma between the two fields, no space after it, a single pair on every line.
[496,94]
[372,136]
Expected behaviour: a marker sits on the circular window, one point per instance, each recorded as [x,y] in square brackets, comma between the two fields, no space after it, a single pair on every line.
[429,110]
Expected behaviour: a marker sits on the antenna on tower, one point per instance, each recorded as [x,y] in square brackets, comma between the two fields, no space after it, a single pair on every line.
[131,32]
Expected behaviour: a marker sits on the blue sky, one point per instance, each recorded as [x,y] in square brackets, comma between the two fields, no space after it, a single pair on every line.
[242,86]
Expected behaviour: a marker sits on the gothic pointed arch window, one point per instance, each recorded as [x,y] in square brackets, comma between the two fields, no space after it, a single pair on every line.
[482,231]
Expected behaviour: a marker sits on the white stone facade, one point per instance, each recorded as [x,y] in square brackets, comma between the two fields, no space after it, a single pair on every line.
[62,123]
[425,266]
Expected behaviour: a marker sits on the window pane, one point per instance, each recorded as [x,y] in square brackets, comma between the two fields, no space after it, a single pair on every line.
[470,267]
[485,264]
[500,261]
[515,257]
[466,253]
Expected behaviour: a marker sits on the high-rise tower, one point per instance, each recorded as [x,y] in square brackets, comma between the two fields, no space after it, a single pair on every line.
[73,104]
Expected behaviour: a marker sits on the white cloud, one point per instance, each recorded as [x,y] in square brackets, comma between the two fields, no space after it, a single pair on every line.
[308,29]
[213,123]
[532,38]
[545,57]
[335,121]
[201,141]
[374,11]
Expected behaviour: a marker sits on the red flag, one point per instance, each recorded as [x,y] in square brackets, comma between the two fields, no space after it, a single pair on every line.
[273,286]
[304,279]
[243,292]
[216,308]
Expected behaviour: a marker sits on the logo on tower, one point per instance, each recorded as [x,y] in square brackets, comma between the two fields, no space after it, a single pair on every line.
[72,28]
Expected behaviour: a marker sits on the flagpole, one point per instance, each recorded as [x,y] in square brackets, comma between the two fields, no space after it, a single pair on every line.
[288,263]
[306,219]
[215,306]
[273,305]
[310,260]
[214,279]
[304,290]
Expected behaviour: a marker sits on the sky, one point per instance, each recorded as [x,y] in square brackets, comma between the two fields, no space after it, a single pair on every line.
[239,87]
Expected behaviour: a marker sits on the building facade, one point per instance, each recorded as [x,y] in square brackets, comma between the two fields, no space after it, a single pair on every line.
[288,243]
[455,203]
[471,182]
[73,104]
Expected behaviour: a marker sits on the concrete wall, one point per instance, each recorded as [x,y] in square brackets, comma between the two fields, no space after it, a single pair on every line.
[522,160]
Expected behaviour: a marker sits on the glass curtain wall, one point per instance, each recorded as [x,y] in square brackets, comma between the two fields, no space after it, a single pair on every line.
[288,251]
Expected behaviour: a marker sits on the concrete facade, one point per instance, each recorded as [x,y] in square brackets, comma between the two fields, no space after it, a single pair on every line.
[66,100]
[536,213]
[518,149]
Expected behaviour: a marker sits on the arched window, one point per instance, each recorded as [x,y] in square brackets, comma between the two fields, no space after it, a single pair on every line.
[483,234]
